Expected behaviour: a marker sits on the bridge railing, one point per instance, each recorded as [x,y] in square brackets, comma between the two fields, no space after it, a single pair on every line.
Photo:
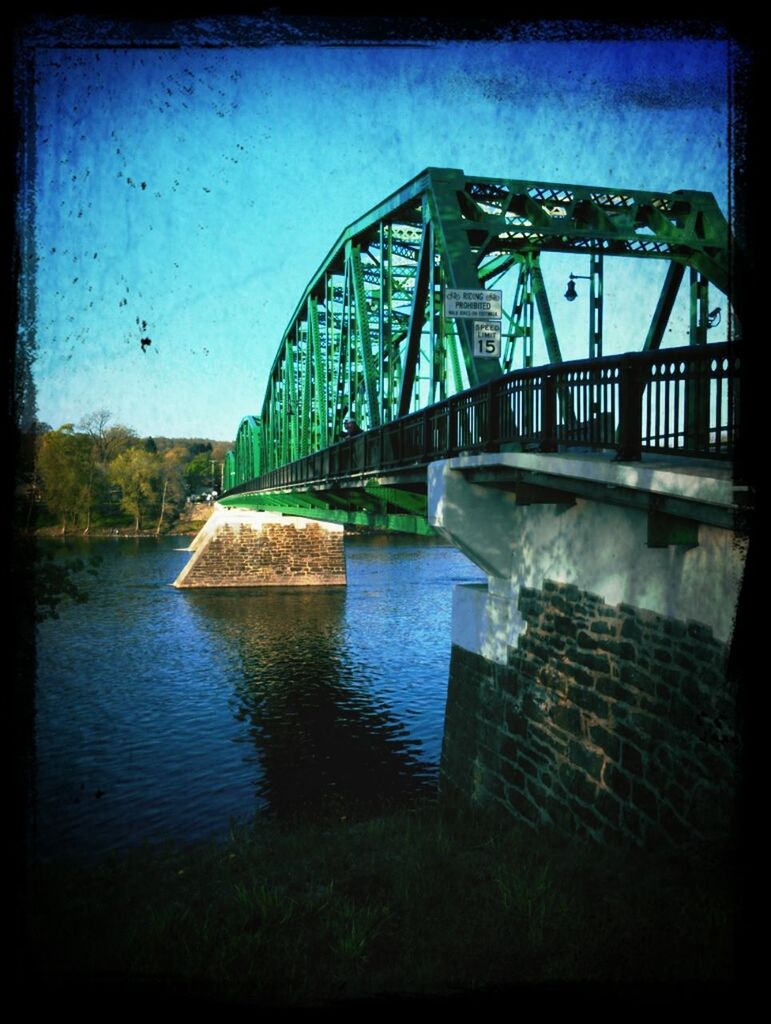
[678,401]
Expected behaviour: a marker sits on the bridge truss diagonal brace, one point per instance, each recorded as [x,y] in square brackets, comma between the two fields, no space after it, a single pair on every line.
[353,255]
[458,261]
[417,319]
[320,391]
[544,311]
[664,306]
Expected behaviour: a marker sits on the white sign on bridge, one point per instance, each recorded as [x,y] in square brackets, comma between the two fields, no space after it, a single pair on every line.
[487,338]
[473,303]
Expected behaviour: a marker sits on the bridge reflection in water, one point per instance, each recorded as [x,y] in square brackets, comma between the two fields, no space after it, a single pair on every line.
[342,720]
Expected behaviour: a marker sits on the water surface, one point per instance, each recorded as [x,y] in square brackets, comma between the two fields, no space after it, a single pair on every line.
[168,714]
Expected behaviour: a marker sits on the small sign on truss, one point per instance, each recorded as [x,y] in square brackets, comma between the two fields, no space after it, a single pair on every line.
[487,339]
[473,303]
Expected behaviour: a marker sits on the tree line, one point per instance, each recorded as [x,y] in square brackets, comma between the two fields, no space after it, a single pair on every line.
[89,474]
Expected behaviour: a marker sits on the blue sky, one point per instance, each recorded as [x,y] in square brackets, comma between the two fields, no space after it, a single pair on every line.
[189,195]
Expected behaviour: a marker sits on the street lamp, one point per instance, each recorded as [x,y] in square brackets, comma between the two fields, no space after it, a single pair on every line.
[595,302]
[571,294]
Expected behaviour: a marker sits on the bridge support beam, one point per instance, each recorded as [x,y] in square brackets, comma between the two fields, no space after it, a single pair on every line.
[244,548]
[588,682]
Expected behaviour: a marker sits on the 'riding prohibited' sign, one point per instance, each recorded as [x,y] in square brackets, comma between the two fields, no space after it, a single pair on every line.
[483,306]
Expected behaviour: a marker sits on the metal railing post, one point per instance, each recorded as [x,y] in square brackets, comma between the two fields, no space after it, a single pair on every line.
[548,413]
[697,403]
[493,426]
[630,412]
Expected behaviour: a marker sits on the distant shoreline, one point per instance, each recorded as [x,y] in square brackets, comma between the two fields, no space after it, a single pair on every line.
[102,533]
[188,524]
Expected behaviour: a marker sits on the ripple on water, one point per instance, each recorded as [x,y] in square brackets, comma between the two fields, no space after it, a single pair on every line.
[165,714]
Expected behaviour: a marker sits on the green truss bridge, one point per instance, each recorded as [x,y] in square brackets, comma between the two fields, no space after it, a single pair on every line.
[428,332]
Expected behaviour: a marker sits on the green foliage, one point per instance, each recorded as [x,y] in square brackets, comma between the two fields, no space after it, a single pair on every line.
[63,465]
[72,469]
[171,472]
[198,472]
[199,447]
[87,477]
[136,472]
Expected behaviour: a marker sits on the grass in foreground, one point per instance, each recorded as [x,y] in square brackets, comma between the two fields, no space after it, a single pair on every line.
[417,902]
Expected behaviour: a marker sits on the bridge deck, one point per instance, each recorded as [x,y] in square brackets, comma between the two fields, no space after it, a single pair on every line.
[573,424]
[700,490]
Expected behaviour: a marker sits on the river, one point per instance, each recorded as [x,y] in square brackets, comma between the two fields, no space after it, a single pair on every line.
[166,714]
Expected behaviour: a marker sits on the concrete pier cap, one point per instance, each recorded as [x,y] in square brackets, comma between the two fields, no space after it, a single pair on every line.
[659,535]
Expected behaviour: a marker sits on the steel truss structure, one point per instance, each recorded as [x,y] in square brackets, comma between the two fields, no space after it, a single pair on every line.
[369,339]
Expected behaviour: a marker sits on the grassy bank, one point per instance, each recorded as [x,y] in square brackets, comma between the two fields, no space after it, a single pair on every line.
[412,903]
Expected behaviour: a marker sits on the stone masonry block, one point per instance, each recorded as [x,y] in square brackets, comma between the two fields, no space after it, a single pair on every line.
[588,816]
[589,701]
[644,798]
[606,741]
[567,718]
[586,641]
[631,759]
[609,807]
[594,662]
[617,781]
[515,721]
[577,783]
[565,625]
[521,805]
[542,740]
[613,689]
[602,628]
[631,629]
[581,676]
[700,632]
[588,760]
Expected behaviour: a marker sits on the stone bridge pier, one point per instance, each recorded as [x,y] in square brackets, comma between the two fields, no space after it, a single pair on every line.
[588,685]
[243,548]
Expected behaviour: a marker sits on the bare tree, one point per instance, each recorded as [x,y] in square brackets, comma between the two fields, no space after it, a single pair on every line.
[95,425]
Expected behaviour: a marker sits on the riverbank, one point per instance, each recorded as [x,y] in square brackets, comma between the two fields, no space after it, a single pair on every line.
[415,903]
[189,522]
[182,529]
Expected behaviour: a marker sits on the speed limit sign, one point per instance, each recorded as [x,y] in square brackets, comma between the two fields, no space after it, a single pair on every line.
[487,338]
